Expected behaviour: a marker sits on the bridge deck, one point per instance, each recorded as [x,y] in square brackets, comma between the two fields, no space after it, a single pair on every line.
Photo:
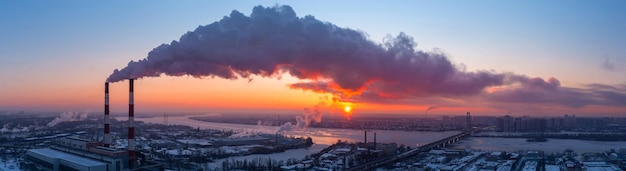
[424,148]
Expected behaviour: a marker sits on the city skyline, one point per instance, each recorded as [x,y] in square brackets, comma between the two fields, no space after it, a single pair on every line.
[558,59]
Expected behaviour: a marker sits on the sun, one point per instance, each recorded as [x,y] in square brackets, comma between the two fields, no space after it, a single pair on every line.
[347,109]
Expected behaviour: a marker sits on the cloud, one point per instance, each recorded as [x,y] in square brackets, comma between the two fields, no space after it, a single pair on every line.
[329,59]
[551,93]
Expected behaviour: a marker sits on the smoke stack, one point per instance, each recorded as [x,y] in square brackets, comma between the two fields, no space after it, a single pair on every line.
[131,127]
[107,136]
[365,140]
[469,121]
[374,140]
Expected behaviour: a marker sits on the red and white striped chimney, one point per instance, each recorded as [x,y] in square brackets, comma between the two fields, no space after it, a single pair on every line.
[131,127]
[107,136]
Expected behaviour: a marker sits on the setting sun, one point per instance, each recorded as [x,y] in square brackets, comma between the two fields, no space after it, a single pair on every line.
[347,109]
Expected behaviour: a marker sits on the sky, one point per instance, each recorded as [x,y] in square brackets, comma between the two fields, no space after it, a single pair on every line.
[538,58]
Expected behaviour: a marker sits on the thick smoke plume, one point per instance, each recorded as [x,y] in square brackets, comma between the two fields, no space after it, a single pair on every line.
[68,117]
[273,41]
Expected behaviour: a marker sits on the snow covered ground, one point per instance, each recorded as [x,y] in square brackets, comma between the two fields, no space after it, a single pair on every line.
[293,153]
[9,165]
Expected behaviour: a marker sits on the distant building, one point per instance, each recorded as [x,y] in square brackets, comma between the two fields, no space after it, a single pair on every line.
[505,124]
[523,124]
[569,122]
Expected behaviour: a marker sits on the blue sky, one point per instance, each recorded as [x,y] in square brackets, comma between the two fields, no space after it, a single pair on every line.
[76,44]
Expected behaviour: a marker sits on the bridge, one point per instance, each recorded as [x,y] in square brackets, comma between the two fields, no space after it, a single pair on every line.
[424,148]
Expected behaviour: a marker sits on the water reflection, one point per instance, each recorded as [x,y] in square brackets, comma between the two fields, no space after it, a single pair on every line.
[326,136]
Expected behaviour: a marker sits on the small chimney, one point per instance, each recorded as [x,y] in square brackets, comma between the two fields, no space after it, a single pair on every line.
[365,140]
[131,127]
[469,121]
[107,136]
[374,140]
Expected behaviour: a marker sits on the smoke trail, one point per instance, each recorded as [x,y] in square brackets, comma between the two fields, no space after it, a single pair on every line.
[285,127]
[302,122]
[309,115]
[273,41]
[68,117]
[431,108]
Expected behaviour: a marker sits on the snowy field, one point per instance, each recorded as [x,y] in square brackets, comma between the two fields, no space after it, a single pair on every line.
[9,165]
[284,156]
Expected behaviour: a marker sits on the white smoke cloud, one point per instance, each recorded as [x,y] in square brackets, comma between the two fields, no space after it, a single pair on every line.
[285,127]
[309,115]
[68,117]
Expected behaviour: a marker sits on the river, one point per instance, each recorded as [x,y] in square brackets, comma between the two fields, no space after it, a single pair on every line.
[323,137]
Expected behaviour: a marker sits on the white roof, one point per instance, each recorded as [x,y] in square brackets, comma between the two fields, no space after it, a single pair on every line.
[607,168]
[326,155]
[54,154]
[196,142]
[436,151]
[496,153]
[552,168]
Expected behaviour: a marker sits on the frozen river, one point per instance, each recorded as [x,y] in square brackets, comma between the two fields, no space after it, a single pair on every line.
[325,136]
[322,137]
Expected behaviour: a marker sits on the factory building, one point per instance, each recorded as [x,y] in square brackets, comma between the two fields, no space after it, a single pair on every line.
[75,153]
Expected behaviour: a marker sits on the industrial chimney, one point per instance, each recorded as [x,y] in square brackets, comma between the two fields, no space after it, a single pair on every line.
[365,139]
[131,127]
[374,140]
[469,121]
[107,136]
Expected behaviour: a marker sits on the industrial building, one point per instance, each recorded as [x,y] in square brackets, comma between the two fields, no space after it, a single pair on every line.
[73,153]
[57,160]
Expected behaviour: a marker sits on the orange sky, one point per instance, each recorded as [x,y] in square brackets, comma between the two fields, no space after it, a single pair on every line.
[210,95]
[62,67]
